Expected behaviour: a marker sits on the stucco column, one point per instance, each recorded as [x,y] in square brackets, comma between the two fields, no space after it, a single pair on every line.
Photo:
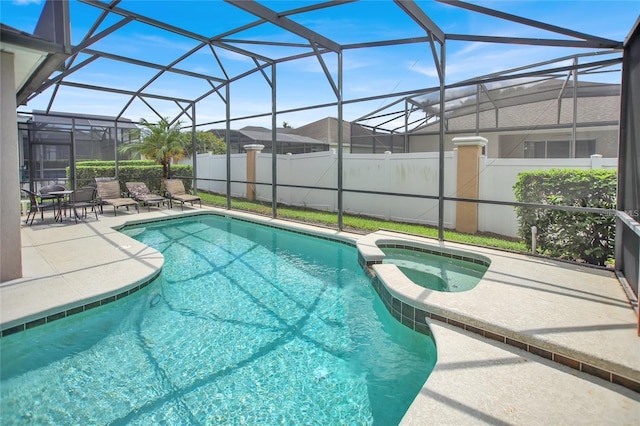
[10,240]
[251,169]
[469,152]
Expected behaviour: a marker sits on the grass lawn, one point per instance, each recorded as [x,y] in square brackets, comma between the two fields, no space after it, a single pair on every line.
[360,224]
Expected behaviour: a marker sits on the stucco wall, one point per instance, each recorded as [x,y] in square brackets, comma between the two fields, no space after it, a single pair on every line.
[10,239]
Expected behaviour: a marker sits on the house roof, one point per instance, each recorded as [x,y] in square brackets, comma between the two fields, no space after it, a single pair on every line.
[537,103]
[90,120]
[265,135]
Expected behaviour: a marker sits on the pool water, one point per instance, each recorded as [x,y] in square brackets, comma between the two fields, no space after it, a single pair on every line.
[245,325]
[435,272]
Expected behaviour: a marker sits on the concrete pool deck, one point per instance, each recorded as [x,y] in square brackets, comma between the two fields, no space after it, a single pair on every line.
[573,313]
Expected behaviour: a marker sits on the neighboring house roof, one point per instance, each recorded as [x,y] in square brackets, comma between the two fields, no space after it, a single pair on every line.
[534,104]
[325,130]
[263,134]
[529,105]
[42,117]
[602,110]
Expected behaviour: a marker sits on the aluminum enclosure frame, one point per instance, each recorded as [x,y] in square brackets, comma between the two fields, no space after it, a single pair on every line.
[112,17]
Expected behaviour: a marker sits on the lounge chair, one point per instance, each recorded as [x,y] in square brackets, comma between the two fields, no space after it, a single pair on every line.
[109,193]
[37,207]
[95,185]
[83,198]
[175,190]
[141,193]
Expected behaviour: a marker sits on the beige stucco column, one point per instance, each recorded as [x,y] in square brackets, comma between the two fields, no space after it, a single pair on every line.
[251,169]
[10,241]
[468,167]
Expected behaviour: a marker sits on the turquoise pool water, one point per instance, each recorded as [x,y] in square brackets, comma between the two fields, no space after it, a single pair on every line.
[245,325]
[435,272]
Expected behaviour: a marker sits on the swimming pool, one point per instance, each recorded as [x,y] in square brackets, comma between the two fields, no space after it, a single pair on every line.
[246,324]
[436,270]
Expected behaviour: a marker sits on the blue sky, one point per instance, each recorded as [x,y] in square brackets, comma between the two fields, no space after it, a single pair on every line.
[367,72]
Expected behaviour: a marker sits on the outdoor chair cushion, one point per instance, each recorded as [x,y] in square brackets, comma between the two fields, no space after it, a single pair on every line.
[175,189]
[140,191]
[109,193]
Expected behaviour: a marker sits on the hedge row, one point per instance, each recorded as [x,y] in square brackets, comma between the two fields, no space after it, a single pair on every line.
[112,163]
[130,171]
[586,237]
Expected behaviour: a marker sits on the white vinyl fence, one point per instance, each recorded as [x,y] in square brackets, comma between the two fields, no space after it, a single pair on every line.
[415,174]
[499,175]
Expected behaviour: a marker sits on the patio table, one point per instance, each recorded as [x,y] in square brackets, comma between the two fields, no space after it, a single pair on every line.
[59,196]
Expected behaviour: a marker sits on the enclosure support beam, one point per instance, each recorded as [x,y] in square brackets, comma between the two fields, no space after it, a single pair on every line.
[194,150]
[600,42]
[441,147]
[406,126]
[227,139]
[274,141]
[340,142]
[421,18]
[293,27]
[574,142]
[115,149]
[72,155]
[478,109]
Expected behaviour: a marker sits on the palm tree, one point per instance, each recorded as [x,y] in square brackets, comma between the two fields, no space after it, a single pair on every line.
[159,141]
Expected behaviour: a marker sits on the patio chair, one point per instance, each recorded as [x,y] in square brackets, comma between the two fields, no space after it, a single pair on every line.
[141,193]
[37,207]
[95,185]
[83,198]
[176,191]
[44,193]
[109,193]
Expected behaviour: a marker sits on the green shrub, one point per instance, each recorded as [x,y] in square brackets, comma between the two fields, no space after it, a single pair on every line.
[184,172]
[111,163]
[146,171]
[586,237]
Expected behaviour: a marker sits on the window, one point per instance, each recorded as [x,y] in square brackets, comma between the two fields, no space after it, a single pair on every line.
[585,148]
[559,149]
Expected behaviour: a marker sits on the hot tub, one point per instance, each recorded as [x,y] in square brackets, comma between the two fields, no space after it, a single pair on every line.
[436,269]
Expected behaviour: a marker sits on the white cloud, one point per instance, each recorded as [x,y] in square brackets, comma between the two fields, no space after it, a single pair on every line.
[26,2]
[429,71]
[164,43]
[233,56]
[470,47]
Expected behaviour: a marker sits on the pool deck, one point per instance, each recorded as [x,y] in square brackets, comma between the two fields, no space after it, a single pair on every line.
[553,314]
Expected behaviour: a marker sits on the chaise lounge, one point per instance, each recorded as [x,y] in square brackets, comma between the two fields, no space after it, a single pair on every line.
[109,193]
[176,191]
[140,192]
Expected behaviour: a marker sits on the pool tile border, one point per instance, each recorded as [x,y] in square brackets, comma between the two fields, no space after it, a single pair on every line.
[75,310]
[416,319]
[437,252]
